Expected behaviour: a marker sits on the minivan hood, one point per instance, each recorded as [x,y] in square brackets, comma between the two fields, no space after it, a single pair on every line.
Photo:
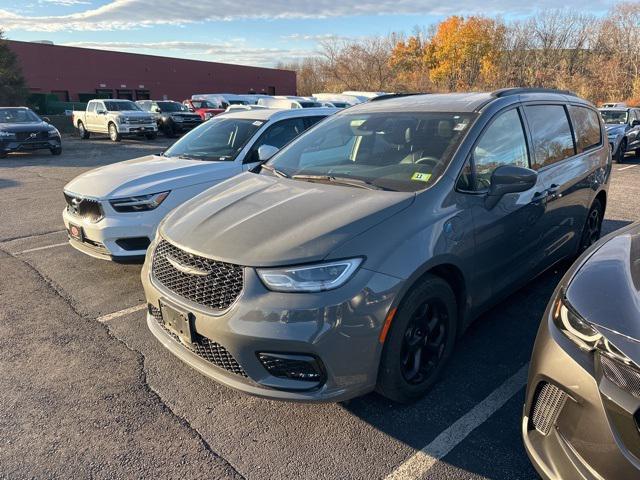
[258,220]
[150,174]
[606,288]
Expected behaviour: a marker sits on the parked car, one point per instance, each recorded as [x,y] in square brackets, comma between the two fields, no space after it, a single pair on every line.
[115,117]
[172,117]
[614,105]
[623,130]
[22,130]
[582,407]
[338,99]
[359,253]
[221,100]
[289,102]
[112,212]
[205,109]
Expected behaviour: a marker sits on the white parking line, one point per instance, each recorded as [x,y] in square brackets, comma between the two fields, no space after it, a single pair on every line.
[421,462]
[121,313]
[626,168]
[28,250]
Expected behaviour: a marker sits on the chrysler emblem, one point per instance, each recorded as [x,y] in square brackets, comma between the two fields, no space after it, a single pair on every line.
[186,269]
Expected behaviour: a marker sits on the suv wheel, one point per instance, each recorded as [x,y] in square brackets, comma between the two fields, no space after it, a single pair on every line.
[151,136]
[420,341]
[622,149]
[114,135]
[592,227]
[84,134]
[56,151]
[169,131]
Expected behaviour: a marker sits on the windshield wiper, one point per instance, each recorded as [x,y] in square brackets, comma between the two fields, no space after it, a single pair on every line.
[274,170]
[352,182]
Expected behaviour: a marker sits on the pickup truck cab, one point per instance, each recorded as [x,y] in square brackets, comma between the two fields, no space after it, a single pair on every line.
[113,211]
[115,117]
[204,108]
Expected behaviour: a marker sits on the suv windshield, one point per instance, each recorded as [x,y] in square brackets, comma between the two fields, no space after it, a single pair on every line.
[202,104]
[399,151]
[18,115]
[172,107]
[614,116]
[218,139]
[120,106]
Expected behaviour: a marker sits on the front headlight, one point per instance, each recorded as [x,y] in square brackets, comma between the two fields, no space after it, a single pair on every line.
[122,119]
[207,116]
[309,278]
[7,135]
[140,203]
[576,328]
[53,133]
[177,119]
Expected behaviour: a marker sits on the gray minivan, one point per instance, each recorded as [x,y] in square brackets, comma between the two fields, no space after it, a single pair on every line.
[355,257]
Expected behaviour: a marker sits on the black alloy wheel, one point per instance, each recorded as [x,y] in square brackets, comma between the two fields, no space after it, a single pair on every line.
[419,342]
[593,226]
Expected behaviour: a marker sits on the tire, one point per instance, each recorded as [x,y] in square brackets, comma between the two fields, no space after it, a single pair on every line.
[114,134]
[429,310]
[151,136]
[622,149]
[637,152]
[56,151]
[3,154]
[169,131]
[84,133]
[592,227]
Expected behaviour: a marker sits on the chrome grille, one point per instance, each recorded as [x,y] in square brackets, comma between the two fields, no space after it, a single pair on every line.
[201,280]
[139,120]
[207,349]
[84,207]
[625,377]
[547,407]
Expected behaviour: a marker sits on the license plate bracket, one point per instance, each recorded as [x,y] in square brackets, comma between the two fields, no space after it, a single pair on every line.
[177,321]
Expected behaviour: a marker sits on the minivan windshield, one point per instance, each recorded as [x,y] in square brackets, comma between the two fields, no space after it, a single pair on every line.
[18,115]
[614,116]
[221,138]
[120,106]
[401,151]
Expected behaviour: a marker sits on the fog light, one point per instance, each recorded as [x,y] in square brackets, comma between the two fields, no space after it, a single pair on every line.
[304,368]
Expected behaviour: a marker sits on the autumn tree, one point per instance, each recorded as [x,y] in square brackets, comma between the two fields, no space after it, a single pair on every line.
[13,88]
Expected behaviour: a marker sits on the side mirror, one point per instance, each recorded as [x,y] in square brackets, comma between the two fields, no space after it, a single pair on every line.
[265,152]
[509,179]
[157,109]
[101,112]
[635,123]
[46,119]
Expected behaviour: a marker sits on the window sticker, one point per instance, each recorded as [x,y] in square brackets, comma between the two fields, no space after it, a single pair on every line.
[421,177]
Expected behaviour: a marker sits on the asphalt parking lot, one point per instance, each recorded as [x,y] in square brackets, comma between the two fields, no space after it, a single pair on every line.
[86,391]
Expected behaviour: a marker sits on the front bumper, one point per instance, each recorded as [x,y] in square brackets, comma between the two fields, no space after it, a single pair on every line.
[595,435]
[338,327]
[135,129]
[8,146]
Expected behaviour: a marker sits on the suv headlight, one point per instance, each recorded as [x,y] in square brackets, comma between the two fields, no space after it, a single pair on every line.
[576,328]
[53,133]
[7,135]
[122,119]
[139,203]
[176,118]
[309,278]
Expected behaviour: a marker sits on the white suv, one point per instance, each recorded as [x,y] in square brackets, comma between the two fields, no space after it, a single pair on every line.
[113,211]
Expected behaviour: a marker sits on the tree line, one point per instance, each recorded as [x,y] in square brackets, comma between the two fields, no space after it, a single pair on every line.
[596,57]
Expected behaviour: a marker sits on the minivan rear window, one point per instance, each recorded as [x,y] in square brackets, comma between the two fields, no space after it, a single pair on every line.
[401,151]
[551,134]
[586,126]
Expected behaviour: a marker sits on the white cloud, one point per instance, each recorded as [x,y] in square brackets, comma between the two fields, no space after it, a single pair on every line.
[130,14]
[64,3]
[233,51]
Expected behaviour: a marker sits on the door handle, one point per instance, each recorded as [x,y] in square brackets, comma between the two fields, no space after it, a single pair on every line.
[553,193]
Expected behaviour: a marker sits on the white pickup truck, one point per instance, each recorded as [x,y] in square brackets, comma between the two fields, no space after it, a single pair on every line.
[116,118]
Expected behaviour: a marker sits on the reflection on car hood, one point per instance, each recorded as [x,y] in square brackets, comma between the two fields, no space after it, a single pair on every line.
[150,174]
[258,220]
[606,289]
[25,127]
[614,126]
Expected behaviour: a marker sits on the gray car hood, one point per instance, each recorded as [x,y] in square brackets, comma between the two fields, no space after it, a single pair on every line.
[259,220]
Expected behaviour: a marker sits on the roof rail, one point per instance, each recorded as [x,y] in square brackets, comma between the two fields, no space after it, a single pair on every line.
[503,92]
[387,96]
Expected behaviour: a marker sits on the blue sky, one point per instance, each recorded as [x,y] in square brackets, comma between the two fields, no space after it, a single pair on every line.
[255,32]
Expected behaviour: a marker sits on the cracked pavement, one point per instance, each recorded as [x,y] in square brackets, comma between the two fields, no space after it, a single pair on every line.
[84,399]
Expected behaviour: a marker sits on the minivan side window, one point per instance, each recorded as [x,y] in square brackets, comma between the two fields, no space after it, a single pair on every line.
[551,134]
[586,125]
[502,143]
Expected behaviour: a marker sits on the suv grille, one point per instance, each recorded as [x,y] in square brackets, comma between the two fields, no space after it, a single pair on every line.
[84,207]
[627,378]
[204,281]
[207,349]
[547,407]
[27,136]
